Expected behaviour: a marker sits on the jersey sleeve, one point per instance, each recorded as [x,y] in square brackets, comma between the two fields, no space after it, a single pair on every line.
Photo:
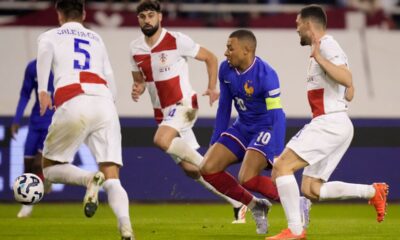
[26,90]
[332,52]
[186,46]
[273,91]
[44,62]
[223,112]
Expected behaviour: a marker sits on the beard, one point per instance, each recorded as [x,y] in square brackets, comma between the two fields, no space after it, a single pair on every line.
[304,41]
[149,30]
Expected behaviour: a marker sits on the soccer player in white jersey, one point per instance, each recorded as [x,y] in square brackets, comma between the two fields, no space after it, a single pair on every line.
[85,112]
[159,62]
[320,145]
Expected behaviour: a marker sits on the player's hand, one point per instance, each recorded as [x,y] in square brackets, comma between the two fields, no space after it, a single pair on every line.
[14,130]
[315,45]
[137,90]
[213,95]
[45,102]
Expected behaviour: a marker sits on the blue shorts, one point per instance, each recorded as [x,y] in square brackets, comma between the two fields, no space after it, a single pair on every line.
[34,142]
[266,140]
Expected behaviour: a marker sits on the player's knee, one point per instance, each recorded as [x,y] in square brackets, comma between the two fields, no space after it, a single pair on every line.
[279,168]
[206,167]
[161,143]
[310,191]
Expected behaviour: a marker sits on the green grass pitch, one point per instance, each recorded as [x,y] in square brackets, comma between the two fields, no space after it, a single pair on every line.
[191,222]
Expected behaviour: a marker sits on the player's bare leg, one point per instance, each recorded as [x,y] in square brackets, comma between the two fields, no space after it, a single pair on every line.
[250,175]
[216,160]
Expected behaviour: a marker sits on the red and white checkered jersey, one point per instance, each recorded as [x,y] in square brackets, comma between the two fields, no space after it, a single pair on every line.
[324,94]
[79,61]
[165,68]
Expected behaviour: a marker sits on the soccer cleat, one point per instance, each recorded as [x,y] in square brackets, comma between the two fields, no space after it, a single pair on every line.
[90,201]
[287,235]
[260,212]
[305,207]
[26,211]
[126,232]
[379,200]
[240,214]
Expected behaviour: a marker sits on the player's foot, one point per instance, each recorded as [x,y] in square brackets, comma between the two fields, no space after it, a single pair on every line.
[90,202]
[260,212]
[305,207]
[287,235]
[26,211]
[379,200]
[126,232]
[240,214]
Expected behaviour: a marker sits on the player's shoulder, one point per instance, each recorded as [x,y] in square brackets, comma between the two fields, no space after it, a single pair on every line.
[224,66]
[32,63]
[48,34]
[176,34]
[137,43]
[328,42]
[263,66]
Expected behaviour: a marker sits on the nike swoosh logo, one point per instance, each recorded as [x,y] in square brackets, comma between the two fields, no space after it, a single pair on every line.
[226,81]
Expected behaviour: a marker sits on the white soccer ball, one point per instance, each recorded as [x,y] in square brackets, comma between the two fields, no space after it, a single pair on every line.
[28,189]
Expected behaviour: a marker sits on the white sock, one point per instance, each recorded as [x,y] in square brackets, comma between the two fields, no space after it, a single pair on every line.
[67,173]
[290,199]
[118,200]
[184,151]
[342,190]
[203,182]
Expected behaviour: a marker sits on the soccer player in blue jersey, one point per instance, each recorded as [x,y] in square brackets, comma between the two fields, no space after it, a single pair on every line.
[256,137]
[38,126]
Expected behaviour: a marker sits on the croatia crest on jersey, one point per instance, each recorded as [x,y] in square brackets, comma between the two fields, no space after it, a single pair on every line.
[248,88]
[163,58]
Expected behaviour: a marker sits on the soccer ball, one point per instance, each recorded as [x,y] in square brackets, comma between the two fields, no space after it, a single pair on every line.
[28,189]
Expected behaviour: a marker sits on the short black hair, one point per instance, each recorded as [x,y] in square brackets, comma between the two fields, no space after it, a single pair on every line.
[247,35]
[71,9]
[148,5]
[316,13]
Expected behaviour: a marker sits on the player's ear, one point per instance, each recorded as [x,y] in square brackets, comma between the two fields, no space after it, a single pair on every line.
[160,16]
[83,15]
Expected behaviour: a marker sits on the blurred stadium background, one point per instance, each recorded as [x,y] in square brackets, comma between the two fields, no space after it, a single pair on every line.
[368,30]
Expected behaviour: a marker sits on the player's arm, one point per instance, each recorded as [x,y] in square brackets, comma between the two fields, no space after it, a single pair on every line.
[43,66]
[339,73]
[25,95]
[223,112]
[109,75]
[273,91]
[211,62]
[139,85]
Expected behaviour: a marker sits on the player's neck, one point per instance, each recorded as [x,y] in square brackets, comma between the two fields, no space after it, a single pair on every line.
[246,64]
[153,39]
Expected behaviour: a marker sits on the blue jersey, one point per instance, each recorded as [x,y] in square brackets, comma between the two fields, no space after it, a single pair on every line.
[256,96]
[30,84]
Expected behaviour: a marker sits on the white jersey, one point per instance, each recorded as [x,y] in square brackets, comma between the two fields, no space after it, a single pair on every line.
[165,69]
[324,94]
[79,62]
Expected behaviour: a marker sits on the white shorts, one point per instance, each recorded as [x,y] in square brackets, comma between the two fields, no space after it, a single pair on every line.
[322,143]
[179,117]
[85,119]
[182,119]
